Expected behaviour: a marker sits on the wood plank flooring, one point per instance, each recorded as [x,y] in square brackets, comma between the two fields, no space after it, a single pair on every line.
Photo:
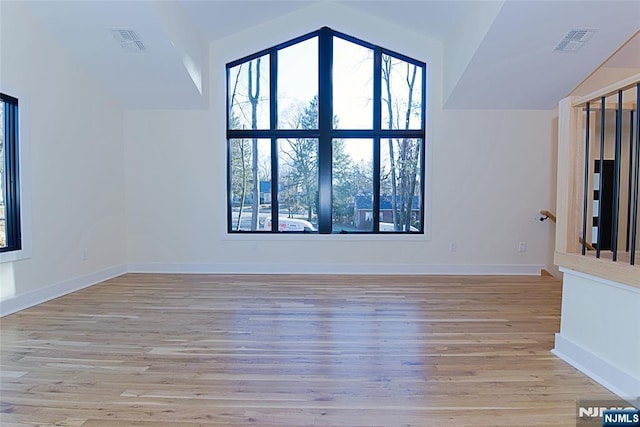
[219,350]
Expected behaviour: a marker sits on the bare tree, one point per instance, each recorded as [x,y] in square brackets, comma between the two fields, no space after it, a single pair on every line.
[409,156]
[404,159]
[301,159]
[386,77]
[239,166]
[238,155]
[254,99]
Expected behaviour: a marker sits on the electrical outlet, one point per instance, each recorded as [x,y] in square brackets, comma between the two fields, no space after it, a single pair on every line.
[85,254]
[454,247]
[522,247]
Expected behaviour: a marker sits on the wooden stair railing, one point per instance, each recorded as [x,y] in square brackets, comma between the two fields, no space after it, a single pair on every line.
[546,214]
[588,245]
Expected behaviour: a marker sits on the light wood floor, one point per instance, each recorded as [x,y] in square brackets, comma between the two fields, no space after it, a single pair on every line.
[169,350]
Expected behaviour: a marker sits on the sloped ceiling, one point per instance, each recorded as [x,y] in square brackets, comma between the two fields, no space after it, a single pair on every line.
[516,66]
[498,54]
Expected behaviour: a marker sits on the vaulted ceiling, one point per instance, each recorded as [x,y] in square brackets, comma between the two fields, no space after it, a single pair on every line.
[497,54]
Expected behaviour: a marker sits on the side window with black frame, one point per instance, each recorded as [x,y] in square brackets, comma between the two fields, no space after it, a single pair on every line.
[326,134]
[10,231]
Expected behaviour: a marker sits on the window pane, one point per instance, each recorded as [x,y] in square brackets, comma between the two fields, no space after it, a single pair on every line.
[400,176]
[298,184]
[298,86]
[250,184]
[248,91]
[401,94]
[3,218]
[352,85]
[352,179]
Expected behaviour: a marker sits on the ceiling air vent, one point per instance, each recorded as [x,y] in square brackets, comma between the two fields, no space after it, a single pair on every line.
[574,40]
[128,40]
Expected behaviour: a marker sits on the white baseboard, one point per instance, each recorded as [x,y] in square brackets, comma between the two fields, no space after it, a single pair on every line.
[33,298]
[297,268]
[38,296]
[618,381]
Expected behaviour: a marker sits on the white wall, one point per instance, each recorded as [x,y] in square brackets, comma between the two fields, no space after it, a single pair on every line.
[600,331]
[553,175]
[491,172]
[71,134]
[463,43]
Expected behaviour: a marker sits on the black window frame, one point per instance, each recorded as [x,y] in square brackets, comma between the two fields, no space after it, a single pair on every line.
[326,133]
[11,183]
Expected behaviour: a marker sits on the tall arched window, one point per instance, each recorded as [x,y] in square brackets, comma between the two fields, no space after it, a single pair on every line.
[326,133]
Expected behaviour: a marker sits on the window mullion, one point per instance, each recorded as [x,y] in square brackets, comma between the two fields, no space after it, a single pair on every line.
[229,157]
[423,147]
[11,175]
[377,125]
[273,125]
[15,208]
[325,125]
[5,180]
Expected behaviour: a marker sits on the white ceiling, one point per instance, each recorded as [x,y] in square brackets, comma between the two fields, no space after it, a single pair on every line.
[514,66]
[219,18]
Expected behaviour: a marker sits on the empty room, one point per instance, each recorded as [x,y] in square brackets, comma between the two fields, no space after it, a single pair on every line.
[319,213]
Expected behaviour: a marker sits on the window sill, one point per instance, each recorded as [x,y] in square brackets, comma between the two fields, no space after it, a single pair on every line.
[315,237]
[12,256]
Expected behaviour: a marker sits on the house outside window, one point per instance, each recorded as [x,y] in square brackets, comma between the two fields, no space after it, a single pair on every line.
[326,130]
